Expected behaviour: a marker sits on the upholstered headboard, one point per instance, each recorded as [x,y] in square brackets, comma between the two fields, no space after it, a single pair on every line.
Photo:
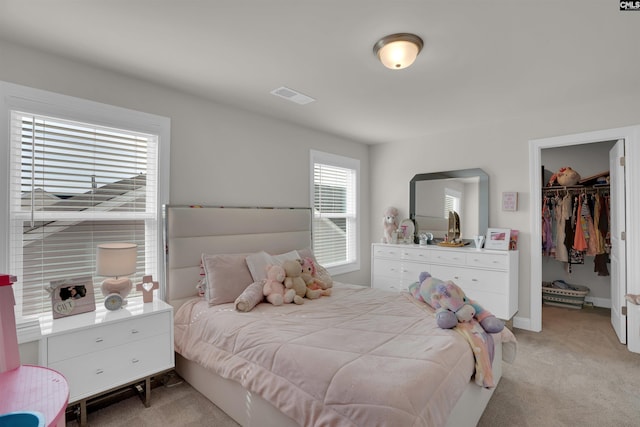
[192,231]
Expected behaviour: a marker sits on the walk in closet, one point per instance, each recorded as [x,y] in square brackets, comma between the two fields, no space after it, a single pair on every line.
[575,241]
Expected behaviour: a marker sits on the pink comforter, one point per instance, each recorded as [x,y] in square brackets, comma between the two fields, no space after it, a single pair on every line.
[362,357]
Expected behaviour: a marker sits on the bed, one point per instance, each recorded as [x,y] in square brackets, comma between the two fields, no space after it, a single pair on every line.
[364,360]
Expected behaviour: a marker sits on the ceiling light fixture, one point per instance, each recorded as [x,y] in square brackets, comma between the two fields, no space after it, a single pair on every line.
[398,51]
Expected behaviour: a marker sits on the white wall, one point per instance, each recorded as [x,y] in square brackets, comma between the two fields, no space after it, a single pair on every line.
[501,149]
[219,155]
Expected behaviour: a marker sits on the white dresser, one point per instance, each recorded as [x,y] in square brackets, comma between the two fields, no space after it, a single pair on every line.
[102,350]
[488,276]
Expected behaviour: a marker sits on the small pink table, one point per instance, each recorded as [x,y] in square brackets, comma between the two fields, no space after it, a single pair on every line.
[35,388]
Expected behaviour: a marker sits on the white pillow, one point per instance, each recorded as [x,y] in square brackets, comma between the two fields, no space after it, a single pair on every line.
[258,262]
[227,277]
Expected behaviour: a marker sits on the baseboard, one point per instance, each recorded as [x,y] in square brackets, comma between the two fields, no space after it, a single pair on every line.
[599,302]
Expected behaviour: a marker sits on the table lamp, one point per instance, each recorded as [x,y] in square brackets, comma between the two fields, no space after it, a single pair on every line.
[116,261]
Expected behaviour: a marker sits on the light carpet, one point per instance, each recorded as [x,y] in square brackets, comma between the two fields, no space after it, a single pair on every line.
[573,373]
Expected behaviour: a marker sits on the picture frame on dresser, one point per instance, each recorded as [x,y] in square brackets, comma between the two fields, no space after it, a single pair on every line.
[72,296]
[498,238]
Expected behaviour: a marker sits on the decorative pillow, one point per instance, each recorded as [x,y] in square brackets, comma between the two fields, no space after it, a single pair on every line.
[227,276]
[250,297]
[259,261]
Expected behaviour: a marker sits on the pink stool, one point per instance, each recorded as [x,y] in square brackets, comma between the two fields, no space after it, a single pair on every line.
[26,388]
[35,388]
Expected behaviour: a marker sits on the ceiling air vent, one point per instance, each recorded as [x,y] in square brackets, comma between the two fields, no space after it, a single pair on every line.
[292,95]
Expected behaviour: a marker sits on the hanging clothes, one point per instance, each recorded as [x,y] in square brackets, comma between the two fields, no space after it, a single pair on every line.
[547,237]
[579,240]
[562,214]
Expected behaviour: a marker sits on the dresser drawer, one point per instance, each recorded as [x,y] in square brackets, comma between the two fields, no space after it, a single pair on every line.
[99,338]
[383,251]
[414,254]
[387,267]
[448,257]
[411,272]
[91,374]
[470,280]
[481,260]
[497,304]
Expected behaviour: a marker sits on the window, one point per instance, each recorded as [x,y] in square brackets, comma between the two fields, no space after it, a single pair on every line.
[452,199]
[334,197]
[79,174]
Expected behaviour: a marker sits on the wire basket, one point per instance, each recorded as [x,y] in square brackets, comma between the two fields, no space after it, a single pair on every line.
[568,298]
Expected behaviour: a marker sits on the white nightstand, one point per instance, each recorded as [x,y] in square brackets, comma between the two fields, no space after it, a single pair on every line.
[104,350]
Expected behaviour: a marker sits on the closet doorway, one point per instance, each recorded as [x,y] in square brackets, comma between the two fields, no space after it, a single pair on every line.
[628,276]
[561,208]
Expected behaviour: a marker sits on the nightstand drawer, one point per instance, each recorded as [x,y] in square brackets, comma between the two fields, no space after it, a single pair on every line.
[91,374]
[103,337]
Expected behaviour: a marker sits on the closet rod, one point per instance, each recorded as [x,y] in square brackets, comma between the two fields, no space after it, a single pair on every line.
[576,189]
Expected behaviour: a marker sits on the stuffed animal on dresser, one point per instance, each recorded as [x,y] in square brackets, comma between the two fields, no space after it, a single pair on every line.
[452,305]
[389,223]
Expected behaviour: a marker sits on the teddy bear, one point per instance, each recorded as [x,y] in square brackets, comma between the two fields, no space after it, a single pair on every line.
[293,280]
[273,288]
[310,278]
[389,223]
[452,305]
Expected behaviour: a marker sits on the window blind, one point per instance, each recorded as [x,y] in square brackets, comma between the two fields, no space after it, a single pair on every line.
[73,186]
[335,216]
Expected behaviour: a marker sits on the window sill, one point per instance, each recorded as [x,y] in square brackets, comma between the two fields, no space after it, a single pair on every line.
[343,268]
[28,330]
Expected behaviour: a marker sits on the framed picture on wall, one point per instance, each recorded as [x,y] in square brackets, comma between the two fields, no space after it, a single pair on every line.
[498,238]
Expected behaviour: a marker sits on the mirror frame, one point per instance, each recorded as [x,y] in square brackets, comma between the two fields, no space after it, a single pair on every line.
[483,193]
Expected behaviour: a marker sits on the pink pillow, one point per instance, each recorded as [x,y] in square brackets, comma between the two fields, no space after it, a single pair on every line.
[227,276]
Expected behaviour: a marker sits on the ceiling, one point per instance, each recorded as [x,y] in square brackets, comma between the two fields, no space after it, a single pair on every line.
[482,61]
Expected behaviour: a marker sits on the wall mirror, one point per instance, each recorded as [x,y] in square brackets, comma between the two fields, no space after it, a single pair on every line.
[432,195]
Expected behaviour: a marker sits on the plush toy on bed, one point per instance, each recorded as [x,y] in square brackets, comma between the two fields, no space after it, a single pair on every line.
[273,288]
[390,223]
[452,305]
[293,280]
[309,275]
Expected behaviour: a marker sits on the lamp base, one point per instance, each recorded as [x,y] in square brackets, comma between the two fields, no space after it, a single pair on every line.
[116,290]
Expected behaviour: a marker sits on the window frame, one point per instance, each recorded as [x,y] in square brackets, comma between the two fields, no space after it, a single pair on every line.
[336,160]
[45,103]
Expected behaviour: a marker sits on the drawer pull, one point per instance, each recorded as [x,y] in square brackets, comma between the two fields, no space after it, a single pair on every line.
[99,371]
[99,339]
[134,360]
[456,277]
[134,331]
[474,280]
